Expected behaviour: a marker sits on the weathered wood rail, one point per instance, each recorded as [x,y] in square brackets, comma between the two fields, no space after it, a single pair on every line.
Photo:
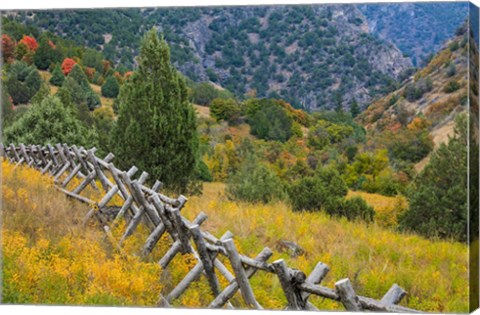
[161,215]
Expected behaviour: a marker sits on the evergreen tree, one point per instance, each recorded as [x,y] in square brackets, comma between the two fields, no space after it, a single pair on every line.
[76,92]
[80,77]
[338,99]
[46,54]
[49,122]
[33,82]
[438,198]
[43,92]
[354,109]
[57,77]
[111,87]
[156,127]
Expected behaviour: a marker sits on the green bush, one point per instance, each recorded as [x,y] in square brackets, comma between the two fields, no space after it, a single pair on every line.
[254,182]
[269,120]
[312,193]
[352,209]
[110,88]
[23,82]
[204,173]
[93,100]
[225,109]
[307,194]
[451,87]
[57,77]
[50,122]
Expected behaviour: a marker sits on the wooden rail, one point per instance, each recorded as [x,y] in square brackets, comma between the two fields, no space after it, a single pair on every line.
[161,215]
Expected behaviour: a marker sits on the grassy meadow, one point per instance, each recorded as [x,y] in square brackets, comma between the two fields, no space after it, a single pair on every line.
[49,258]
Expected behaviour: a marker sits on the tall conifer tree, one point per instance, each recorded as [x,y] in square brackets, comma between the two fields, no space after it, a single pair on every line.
[156,127]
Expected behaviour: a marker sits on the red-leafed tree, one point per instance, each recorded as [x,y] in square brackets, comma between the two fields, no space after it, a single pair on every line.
[67,65]
[30,42]
[8,48]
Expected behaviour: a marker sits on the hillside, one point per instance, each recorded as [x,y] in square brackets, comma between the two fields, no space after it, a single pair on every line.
[70,254]
[308,55]
[432,97]
[334,183]
[429,25]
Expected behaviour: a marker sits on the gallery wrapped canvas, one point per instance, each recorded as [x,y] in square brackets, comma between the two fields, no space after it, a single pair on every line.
[264,157]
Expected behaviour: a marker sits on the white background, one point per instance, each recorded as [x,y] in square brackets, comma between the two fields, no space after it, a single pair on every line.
[47,4]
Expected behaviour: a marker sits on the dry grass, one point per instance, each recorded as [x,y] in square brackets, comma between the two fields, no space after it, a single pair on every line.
[202,111]
[41,226]
[48,258]
[434,273]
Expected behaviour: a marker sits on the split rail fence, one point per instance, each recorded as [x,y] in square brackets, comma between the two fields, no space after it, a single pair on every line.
[161,214]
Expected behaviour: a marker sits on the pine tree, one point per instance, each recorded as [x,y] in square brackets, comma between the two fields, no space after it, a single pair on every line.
[111,87]
[354,109]
[338,99]
[156,127]
[57,77]
[80,77]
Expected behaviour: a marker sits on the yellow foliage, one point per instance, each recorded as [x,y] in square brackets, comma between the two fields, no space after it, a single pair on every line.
[387,209]
[49,259]
[434,273]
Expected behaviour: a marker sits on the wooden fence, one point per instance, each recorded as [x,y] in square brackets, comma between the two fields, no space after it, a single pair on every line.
[161,214]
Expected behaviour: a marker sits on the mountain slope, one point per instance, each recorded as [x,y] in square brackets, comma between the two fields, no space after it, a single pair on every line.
[430,99]
[308,55]
[429,25]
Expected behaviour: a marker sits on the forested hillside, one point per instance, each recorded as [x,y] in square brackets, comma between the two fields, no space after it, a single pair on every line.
[312,56]
[417,29]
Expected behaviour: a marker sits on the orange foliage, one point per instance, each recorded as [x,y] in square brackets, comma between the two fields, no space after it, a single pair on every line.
[8,48]
[30,42]
[106,66]
[67,65]
[419,123]
[90,72]
[51,44]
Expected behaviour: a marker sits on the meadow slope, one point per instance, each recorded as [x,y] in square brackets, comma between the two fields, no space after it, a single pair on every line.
[49,258]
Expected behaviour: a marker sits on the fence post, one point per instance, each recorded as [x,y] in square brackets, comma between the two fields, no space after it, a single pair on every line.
[240,275]
[347,294]
[294,299]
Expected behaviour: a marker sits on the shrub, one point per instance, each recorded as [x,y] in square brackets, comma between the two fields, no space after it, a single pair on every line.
[57,77]
[308,194]
[269,121]
[22,82]
[67,65]
[451,87]
[352,209]
[110,88]
[225,109]
[312,193]
[49,122]
[93,100]
[451,70]
[254,182]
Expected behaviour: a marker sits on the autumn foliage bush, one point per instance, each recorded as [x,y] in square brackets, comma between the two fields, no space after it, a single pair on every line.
[30,42]
[67,65]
